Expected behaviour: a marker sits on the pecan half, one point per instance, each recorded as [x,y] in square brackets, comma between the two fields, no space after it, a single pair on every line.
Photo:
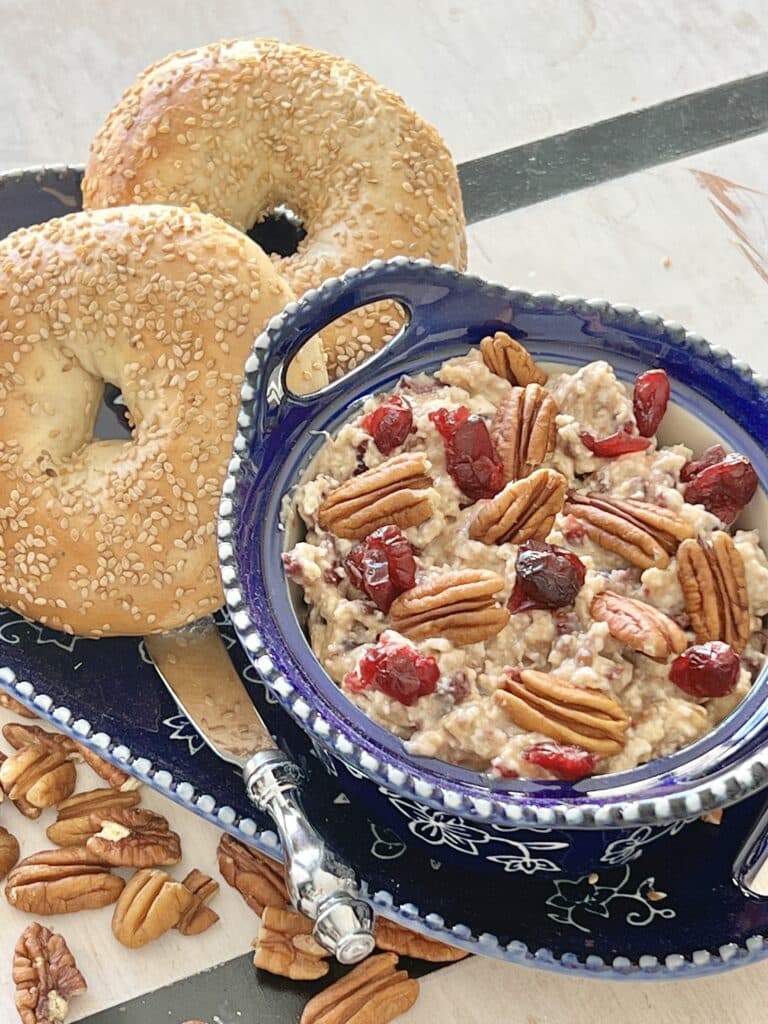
[21,805]
[639,625]
[390,493]
[112,775]
[45,975]
[459,605]
[397,939]
[285,946]
[538,702]
[61,882]
[134,838]
[524,430]
[374,992]
[20,735]
[642,533]
[508,359]
[259,880]
[9,851]
[11,704]
[81,816]
[523,510]
[199,918]
[150,905]
[714,585]
[42,778]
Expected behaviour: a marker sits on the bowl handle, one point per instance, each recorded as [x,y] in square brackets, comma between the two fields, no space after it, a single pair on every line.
[431,296]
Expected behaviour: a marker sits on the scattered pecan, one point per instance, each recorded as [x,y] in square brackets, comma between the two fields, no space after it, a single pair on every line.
[524,430]
[285,946]
[11,704]
[61,882]
[523,510]
[639,625]
[712,577]
[397,939]
[539,702]
[642,533]
[80,817]
[9,851]
[508,359]
[112,775]
[259,880]
[39,777]
[45,975]
[21,805]
[459,606]
[134,838]
[199,918]
[20,735]
[374,992]
[390,493]
[150,905]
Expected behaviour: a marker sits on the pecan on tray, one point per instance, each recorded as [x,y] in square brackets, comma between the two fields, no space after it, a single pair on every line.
[459,605]
[642,533]
[524,430]
[45,975]
[714,585]
[258,879]
[61,882]
[150,905]
[395,491]
[639,625]
[374,992]
[539,702]
[38,776]
[285,946]
[508,359]
[81,816]
[523,510]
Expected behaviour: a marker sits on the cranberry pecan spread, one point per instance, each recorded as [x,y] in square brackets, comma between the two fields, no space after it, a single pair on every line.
[511,573]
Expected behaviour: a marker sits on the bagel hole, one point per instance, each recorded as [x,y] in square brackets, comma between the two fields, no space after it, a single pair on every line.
[279,233]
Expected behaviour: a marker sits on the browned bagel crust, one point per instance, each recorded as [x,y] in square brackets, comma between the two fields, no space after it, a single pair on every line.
[108,536]
[238,127]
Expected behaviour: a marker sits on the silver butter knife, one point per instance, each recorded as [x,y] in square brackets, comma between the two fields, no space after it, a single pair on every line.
[195,666]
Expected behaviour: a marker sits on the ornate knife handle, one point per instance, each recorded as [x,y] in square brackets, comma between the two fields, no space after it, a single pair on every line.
[320,885]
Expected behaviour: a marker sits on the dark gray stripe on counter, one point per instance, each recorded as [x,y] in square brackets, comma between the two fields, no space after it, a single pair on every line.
[599,152]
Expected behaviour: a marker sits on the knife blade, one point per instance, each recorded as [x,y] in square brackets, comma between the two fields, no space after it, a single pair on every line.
[194,664]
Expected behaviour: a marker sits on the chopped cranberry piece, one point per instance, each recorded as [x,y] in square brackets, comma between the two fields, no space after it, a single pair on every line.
[567,762]
[547,577]
[382,566]
[470,456]
[397,670]
[706,670]
[724,488]
[620,443]
[390,424]
[649,401]
[715,453]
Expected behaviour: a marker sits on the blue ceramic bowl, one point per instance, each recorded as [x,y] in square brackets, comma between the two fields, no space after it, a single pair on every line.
[601,820]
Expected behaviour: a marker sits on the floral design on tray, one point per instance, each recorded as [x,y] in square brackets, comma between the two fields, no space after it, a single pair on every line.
[508,571]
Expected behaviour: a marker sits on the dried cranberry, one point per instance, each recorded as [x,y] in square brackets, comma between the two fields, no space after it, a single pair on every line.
[621,443]
[547,577]
[706,670]
[724,488]
[649,401]
[470,456]
[390,424]
[382,566]
[715,453]
[397,670]
[563,760]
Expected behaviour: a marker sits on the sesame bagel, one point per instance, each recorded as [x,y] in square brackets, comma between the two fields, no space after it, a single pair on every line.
[118,537]
[238,128]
